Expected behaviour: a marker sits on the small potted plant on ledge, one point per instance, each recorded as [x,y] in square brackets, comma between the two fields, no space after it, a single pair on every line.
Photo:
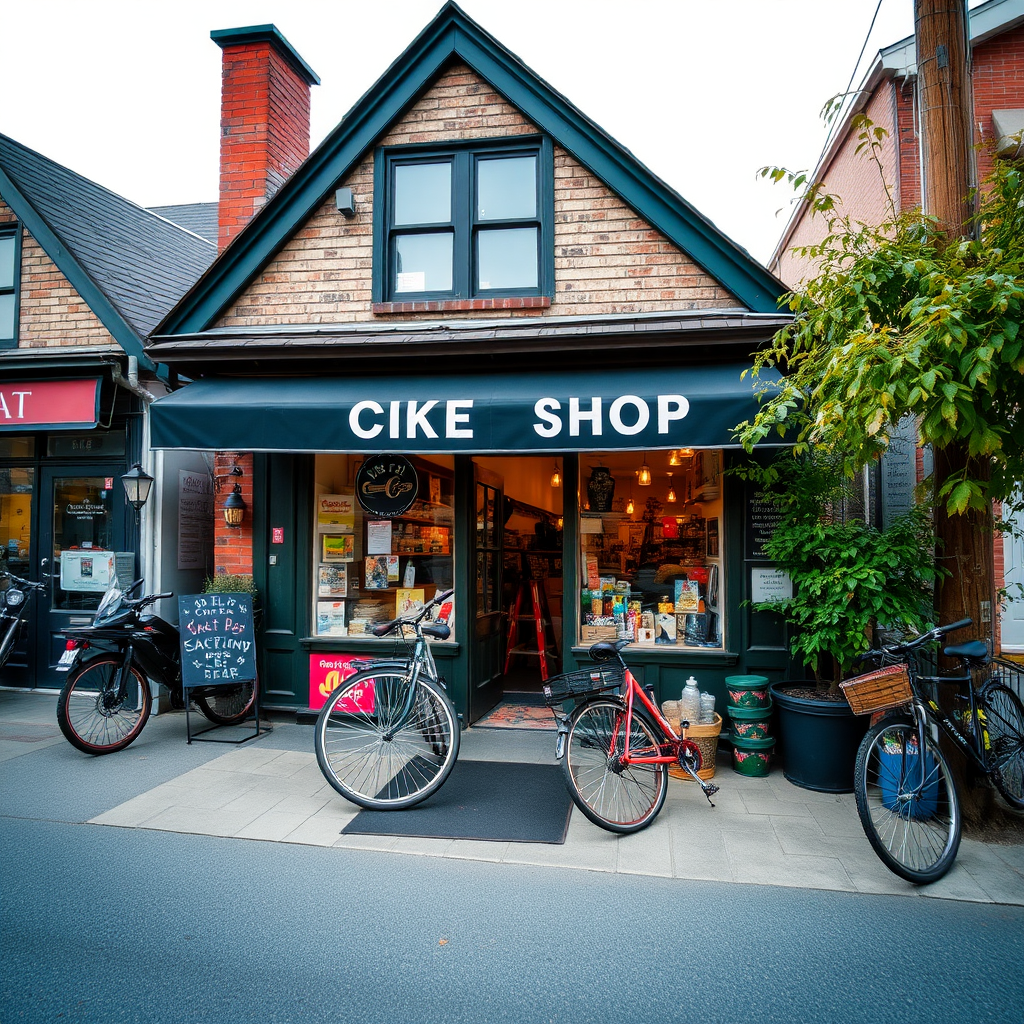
[848,578]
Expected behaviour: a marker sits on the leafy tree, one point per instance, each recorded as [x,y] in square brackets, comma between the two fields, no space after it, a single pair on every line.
[898,320]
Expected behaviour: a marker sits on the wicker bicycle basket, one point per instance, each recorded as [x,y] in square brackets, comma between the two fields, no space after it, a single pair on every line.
[706,738]
[886,687]
[573,685]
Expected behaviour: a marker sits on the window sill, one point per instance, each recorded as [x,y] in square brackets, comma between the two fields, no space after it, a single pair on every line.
[463,305]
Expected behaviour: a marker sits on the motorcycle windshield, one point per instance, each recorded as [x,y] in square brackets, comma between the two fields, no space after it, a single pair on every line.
[109,605]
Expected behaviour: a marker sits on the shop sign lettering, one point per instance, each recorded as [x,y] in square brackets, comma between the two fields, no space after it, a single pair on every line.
[626,415]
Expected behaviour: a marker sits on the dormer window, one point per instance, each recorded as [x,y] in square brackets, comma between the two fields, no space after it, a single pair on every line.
[466,223]
[9,275]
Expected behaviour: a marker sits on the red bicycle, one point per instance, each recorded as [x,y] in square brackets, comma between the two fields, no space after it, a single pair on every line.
[616,748]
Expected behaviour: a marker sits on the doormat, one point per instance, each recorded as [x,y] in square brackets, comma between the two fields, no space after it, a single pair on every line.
[497,801]
[518,714]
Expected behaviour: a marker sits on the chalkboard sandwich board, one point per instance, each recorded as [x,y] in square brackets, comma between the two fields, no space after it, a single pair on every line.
[218,645]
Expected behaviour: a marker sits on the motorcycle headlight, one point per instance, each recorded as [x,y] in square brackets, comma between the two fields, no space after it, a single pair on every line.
[14,598]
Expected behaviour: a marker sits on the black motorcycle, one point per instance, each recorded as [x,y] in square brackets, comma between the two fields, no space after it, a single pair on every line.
[106,701]
[14,602]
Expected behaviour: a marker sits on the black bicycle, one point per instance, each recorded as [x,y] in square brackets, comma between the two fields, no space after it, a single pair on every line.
[906,796]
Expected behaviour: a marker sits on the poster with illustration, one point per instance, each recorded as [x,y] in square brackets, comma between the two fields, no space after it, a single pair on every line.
[381,571]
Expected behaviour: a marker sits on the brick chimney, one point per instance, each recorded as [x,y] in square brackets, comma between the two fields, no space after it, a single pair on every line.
[264,120]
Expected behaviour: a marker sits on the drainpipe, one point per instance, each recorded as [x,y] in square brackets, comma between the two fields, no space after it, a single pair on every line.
[131,382]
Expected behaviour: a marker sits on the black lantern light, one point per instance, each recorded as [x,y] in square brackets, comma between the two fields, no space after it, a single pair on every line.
[234,507]
[137,485]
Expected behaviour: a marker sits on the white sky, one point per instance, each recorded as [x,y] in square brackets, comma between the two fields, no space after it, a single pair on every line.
[704,92]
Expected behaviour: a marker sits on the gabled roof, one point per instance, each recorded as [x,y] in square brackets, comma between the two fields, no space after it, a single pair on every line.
[128,264]
[199,218]
[451,36]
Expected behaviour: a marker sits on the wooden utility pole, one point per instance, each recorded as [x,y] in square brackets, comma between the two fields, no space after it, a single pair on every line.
[946,106]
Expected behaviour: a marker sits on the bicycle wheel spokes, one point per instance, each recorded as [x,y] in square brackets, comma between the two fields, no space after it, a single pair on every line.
[1003,734]
[907,802]
[617,797]
[381,750]
[91,713]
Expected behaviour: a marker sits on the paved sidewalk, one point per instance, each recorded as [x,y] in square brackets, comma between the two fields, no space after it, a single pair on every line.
[761,831]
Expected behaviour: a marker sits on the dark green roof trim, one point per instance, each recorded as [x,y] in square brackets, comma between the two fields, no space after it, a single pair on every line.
[454,36]
[91,293]
[266,34]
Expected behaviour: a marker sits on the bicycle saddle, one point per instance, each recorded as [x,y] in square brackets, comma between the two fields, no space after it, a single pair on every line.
[606,650]
[973,650]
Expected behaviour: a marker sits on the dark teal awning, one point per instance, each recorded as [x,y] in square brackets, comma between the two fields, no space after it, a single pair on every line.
[592,410]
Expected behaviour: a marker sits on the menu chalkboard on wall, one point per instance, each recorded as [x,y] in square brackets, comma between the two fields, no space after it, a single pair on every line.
[218,646]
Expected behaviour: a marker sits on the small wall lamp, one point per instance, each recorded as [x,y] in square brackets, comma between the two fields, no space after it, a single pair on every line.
[345,202]
[137,485]
[234,507]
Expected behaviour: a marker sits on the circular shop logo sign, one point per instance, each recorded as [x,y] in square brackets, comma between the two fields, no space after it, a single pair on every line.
[387,485]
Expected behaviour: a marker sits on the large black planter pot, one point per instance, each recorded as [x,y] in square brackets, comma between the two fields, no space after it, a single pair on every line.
[818,739]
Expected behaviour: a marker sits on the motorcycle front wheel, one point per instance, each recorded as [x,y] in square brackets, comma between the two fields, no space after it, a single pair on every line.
[91,713]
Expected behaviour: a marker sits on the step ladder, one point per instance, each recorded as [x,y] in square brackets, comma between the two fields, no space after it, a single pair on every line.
[537,646]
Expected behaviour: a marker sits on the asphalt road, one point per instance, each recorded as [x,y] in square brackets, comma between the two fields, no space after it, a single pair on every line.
[103,924]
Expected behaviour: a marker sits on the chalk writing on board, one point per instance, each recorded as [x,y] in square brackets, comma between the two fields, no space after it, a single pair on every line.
[218,645]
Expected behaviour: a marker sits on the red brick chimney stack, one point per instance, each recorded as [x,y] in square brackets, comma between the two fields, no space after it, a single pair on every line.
[264,120]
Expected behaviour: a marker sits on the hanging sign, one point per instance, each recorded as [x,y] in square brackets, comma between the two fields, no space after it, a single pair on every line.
[387,485]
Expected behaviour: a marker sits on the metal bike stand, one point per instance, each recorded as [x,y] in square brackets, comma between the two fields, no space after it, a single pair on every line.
[201,734]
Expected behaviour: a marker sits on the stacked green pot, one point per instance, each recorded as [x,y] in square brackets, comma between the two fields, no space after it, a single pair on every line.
[750,713]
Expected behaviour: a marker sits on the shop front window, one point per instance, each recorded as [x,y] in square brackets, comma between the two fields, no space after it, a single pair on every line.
[83,540]
[371,569]
[651,553]
[16,488]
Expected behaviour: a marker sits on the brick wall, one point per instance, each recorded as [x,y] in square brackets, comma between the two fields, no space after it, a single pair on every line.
[264,130]
[232,546]
[998,85]
[607,259]
[51,312]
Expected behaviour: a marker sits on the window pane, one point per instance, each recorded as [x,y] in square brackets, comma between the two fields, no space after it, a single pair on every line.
[424,263]
[506,188]
[507,258]
[7,317]
[423,193]
[6,261]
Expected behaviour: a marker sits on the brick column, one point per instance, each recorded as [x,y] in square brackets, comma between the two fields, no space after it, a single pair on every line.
[232,545]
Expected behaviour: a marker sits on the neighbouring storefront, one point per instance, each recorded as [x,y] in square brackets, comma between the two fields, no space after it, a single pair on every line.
[64,444]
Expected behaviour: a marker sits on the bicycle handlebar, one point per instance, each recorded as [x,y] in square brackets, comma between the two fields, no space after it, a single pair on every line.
[912,645]
[383,628]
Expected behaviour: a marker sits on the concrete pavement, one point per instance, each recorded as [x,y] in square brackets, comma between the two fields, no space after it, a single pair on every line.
[761,831]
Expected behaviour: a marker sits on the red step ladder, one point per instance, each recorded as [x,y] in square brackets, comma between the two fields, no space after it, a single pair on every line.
[542,624]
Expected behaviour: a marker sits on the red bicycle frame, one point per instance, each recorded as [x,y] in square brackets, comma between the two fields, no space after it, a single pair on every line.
[627,757]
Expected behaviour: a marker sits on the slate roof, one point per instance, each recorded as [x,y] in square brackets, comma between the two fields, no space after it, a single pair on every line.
[199,218]
[130,265]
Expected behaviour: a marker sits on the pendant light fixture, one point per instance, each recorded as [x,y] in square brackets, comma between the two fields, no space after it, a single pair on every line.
[556,477]
[671,496]
[630,507]
[674,459]
[644,473]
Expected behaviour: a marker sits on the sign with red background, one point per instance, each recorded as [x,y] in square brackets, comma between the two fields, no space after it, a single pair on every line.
[326,673]
[43,403]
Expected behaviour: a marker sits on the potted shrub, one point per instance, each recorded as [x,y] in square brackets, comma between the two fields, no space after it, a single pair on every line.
[848,578]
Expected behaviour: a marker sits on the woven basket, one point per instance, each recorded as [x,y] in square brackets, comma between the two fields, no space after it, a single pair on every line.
[886,687]
[706,738]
